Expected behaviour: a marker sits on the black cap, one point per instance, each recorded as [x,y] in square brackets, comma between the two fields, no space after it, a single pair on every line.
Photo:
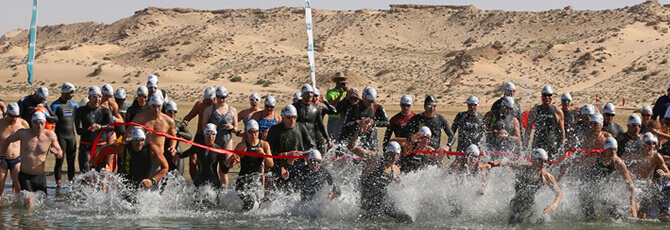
[429,99]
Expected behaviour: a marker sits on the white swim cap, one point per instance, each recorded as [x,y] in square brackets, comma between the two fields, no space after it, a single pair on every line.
[610,143]
[222,91]
[649,137]
[472,151]
[42,92]
[120,94]
[425,131]
[152,81]
[609,109]
[647,108]
[142,90]
[634,119]
[107,89]
[306,88]
[547,90]
[597,117]
[210,128]
[406,100]
[13,109]
[270,101]
[137,134]
[393,147]
[509,86]
[172,106]
[472,100]
[289,110]
[67,87]
[566,97]
[94,90]
[209,93]
[38,116]
[370,93]
[508,101]
[588,109]
[297,95]
[314,154]
[255,96]
[316,91]
[540,154]
[156,99]
[251,124]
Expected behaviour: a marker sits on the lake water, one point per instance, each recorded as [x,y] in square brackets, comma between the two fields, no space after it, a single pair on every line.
[430,196]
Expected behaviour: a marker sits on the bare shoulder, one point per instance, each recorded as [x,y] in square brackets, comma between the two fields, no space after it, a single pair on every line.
[24,123]
[233,109]
[51,134]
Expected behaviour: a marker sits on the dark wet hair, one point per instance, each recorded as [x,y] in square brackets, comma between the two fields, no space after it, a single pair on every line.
[429,99]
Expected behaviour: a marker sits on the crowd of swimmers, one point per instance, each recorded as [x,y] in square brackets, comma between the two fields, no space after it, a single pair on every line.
[586,145]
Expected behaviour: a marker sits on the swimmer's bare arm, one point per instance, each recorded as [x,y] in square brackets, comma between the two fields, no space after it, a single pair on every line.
[559,194]
[234,112]
[663,171]
[531,121]
[194,112]
[12,138]
[205,117]
[265,146]
[155,149]
[517,132]
[55,147]
[172,131]
[623,170]
[561,124]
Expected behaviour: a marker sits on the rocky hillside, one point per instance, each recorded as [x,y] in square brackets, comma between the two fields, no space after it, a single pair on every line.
[449,51]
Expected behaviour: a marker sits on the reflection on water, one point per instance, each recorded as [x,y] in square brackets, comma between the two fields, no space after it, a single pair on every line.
[433,199]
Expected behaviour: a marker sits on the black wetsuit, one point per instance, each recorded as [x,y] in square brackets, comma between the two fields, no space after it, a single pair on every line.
[249,177]
[613,128]
[345,109]
[629,145]
[321,139]
[310,116]
[397,126]
[136,165]
[207,163]
[589,191]
[123,110]
[135,109]
[412,161]
[28,105]
[86,116]
[67,139]
[283,139]
[526,186]
[309,183]
[375,199]
[469,129]
[223,135]
[546,131]
[183,132]
[570,119]
[497,123]
[375,112]
[436,124]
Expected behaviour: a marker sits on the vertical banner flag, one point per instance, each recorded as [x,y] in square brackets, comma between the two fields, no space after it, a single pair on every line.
[310,37]
[31,47]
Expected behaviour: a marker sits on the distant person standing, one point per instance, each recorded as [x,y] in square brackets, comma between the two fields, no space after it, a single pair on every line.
[267,117]
[334,96]
[399,121]
[608,123]
[65,108]
[661,105]
[509,90]
[31,103]
[254,101]
[90,120]
[139,105]
[120,99]
[469,125]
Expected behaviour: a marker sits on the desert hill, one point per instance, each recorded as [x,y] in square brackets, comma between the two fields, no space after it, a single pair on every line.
[449,51]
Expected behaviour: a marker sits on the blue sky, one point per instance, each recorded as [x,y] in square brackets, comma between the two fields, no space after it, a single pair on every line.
[15,14]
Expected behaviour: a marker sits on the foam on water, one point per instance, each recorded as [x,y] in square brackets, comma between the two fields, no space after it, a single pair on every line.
[431,196]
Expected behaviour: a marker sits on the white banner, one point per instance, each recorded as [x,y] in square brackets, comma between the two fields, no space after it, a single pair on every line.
[310,37]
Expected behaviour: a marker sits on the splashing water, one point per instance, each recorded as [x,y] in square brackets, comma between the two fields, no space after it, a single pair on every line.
[434,199]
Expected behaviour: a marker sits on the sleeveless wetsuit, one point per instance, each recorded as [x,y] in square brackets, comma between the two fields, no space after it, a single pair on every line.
[589,194]
[249,176]
[223,135]
[526,186]
[136,164]
[375,199]
[546,130]
[207,162]
[469,129]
